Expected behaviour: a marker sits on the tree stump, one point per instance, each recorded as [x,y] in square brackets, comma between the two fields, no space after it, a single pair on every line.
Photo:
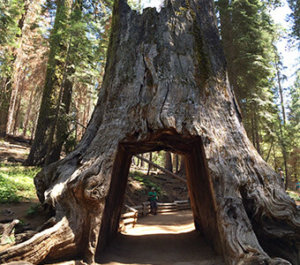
[166,87]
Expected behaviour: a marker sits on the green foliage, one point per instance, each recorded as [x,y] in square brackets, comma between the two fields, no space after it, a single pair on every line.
[293,129]
[34,209]
[295,16]
[294,195]
[70,143]
[16,183]
[248,34]
[78,42]
[158,158]
[10,14]
[144,180]
[10,239]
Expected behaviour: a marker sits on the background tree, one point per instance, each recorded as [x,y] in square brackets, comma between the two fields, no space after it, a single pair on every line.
[294,130]
[53,89]
[295,16]
[12,15]
[76,48]
[247,37]
[28,70]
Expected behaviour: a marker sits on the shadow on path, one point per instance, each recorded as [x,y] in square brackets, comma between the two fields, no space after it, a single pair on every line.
[168,239]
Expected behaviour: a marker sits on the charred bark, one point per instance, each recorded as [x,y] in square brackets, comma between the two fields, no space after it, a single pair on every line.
[166,88]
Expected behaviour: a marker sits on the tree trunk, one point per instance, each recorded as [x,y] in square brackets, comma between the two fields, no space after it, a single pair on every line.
[176,163]
[168,161]
[149,164]
[165,88]
[61,128]
[17,72]
[257,137]
[27,115]
[280,90]
[142,161]
[182,166]
[4,104]
[55,76]
[17,110]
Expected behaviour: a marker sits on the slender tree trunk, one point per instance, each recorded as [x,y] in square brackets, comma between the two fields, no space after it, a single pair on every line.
[27,115]
[33,128]
[256,129]
[142,162]
[284,153]
[280,92]
[176,163]
[4,105]
[18,106]
[17,72]
[168,161]
[14,94]
[253,130]
[270,149]
[282,127]
[149,164]
[182,166]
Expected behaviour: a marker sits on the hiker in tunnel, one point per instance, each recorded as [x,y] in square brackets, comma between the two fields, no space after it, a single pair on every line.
[152,197]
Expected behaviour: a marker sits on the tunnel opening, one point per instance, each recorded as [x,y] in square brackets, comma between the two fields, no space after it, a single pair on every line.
[156,179]
[199,185]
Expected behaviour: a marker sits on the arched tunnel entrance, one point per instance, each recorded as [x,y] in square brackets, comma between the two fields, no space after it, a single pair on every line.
[200,187]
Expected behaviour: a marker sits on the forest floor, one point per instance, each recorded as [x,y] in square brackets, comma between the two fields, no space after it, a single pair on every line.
[23,203]
[165,239]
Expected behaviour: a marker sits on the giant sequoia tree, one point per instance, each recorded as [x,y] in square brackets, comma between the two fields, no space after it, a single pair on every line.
[165,87]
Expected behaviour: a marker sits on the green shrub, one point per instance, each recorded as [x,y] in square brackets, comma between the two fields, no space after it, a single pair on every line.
[8,193]
[294,195]
[143,179]
[34,209]
[16,183]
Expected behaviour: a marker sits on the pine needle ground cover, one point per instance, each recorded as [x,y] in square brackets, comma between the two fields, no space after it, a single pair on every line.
[16,183]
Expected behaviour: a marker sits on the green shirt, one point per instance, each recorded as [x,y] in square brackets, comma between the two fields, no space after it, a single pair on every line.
[152,196]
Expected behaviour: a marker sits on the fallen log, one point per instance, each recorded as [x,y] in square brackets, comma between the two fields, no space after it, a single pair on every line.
[7,231]
[168,172]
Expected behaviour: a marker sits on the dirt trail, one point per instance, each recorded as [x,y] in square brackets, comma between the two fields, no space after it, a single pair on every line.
[166,239]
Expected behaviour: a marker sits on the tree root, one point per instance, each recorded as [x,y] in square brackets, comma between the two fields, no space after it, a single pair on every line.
[52,242]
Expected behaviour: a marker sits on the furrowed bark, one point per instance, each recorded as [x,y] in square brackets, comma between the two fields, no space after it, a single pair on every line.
[166,88]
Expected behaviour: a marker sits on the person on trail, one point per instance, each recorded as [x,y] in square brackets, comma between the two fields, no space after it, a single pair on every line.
[298,186]
[152,197]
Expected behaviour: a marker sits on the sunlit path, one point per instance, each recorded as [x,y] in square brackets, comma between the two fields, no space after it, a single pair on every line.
[168,239]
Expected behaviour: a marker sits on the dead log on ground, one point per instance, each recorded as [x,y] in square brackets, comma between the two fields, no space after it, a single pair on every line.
[168,172]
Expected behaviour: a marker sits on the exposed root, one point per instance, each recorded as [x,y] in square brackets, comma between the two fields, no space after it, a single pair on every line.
[242,246]
[46,243]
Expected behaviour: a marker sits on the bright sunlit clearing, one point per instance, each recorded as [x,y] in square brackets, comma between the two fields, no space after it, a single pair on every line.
[163,223]
[141,230]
